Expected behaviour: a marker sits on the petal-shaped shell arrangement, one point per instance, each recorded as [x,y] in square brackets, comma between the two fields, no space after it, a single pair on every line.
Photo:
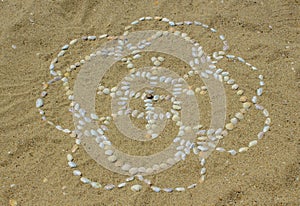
[147,84]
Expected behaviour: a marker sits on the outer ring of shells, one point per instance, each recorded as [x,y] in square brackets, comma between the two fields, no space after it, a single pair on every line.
[207,139]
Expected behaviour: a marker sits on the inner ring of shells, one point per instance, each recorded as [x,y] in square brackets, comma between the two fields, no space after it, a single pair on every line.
[146,84]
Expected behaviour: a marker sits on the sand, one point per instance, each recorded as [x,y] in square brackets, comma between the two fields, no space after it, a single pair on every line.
[33,166]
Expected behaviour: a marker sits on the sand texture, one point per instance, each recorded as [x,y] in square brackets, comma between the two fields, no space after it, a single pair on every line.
[33,165]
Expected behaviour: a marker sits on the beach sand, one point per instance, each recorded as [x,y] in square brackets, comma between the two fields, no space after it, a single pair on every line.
[33,165]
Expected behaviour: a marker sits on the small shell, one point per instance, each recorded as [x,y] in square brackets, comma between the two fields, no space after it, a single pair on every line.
[72,164]
[265,112]
[180,189]
[168,190]
[192,186]
[243,149]
[121,185]
[96,185]
[252,143]
[155,189]
[220,149]
[229,126]
[136,188]
[232,152]
[69,157]
[109,187]
[239,115]
[246,105]
[259,91]
[266,128]
[76,173]
[243,99]
[203,171]
[85,180]
[39,103]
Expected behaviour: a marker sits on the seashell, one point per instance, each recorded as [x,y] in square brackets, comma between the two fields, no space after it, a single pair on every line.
[136,188]
[229,126]
[246,105]
[76,173]
[69,157]
[192,186]
[232,152]
[268,121]
[109,187]
[129,179]
[252,143]
[239,115]
[168,190]
[121,185]
[265,112]
[220,149]
[203,171]
[243,149]
[39,103]
[259,91]
[72,164]
[85,180]
[180,189]
[155,189]
[266,128]
[240,92]
[96,185]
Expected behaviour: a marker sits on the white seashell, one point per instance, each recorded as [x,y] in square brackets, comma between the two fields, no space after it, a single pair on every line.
[241,59]
[230,81]
[232,152]
[121,185]
[266,128]
[203,149]
[235,87]
[203,171]
[180,189]
[39,103]
[136,188]
[259,107]
[135,22]
[96,185]
[129,179]
[76,173]
[69,157]
[106,91]
[109,187]
[72,164]
[192,186]
[85,180]
[254,99]
[220,149]
[265,112]
[259,91]
[239,115]
[268,121]
[243,149]
[168,190]
[155,189]
[229,126]
[252,143]
[204,75]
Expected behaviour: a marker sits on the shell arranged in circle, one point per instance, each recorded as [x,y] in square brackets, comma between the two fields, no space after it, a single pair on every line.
[155,95]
